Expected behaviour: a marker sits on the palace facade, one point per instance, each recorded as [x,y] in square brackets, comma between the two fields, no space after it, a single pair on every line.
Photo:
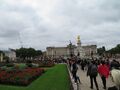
[88,51]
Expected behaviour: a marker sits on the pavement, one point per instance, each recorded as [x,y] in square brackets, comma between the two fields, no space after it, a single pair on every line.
[85,81]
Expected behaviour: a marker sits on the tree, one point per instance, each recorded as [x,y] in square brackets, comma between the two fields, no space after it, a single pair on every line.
[2,53]
[115,50]
[39,52]
[101,50]
[27,53]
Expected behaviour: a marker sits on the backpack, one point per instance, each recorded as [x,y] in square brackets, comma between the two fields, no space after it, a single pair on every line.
[94,71]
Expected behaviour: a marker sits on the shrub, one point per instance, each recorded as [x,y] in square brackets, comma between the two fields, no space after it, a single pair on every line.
[29,63]
[45,63]
[9,64]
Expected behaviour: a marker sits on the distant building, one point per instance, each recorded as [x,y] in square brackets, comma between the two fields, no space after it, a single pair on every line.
[88,51]
[1,57]
[11,54]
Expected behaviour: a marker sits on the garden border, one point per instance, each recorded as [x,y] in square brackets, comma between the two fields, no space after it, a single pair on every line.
[71,83]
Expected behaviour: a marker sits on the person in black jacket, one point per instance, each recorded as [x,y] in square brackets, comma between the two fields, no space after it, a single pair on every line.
[74,70]
[92,72]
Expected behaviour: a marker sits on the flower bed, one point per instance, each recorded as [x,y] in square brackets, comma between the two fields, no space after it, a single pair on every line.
[46,63]
[20,77]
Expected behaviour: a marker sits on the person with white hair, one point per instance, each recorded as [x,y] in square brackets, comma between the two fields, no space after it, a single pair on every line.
[115,75]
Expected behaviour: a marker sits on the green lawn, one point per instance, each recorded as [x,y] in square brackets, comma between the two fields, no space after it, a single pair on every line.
[55,78]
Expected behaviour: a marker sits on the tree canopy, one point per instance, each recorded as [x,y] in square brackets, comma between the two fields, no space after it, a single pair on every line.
[101,50]
[28,52]
[115,50]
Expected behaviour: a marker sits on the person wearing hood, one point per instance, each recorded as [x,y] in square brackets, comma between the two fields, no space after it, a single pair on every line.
[115,75]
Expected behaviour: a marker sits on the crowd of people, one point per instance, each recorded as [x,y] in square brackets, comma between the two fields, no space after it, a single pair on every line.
[105,68]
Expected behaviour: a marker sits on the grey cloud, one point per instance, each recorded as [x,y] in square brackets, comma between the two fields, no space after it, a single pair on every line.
[92,13]
[97,22]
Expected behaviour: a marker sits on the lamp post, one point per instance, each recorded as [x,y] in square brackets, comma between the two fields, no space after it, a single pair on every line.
[55,54]
[71,49]
[78,54]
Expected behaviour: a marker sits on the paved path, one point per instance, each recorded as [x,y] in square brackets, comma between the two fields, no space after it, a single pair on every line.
[86,81]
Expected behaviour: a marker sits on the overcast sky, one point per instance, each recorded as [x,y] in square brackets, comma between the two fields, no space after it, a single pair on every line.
[42,23]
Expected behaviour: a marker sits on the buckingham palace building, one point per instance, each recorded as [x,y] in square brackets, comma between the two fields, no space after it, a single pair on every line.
[87,51]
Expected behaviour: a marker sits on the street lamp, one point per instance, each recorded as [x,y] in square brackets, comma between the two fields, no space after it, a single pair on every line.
[78,54]
[71,49]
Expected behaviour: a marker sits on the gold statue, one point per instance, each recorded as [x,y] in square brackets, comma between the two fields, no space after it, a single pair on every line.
[78,39]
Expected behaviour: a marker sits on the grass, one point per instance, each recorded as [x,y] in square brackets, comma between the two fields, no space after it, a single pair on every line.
[55,78]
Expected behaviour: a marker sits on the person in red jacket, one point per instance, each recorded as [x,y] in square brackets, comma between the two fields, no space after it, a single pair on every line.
[103,70]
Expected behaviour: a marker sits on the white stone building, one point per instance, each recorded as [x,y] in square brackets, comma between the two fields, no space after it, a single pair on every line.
[11,54]
[88,51]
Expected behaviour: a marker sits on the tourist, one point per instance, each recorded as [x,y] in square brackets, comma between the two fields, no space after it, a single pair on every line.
[115,74]
[82,65]
[108,63]
[78,79]
[114,64]
[104,72]
[74,70]
[70,64]
[92,72]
